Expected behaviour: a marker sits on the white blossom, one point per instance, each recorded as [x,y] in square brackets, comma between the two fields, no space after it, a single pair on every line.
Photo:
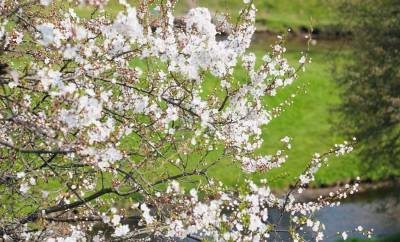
[344,236]
[121,230]
[45,2]
[24,188]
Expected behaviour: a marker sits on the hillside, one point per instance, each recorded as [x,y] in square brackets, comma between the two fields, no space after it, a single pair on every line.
[276,15]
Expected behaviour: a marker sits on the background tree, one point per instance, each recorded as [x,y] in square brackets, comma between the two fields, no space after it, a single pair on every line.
[371,82]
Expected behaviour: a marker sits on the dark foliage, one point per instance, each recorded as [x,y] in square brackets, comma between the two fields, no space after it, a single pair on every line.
[371,81]
[3,69]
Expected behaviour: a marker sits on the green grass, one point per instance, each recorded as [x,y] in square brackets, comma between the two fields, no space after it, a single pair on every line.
[393,238]
[271,15]
[308,121]
[276,15]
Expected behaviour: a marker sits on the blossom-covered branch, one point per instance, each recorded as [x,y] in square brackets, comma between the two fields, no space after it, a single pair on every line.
[109,127]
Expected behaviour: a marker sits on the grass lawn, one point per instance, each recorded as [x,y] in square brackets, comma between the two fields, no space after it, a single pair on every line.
[272,15]
[308,121]
[275,15]
[393,238]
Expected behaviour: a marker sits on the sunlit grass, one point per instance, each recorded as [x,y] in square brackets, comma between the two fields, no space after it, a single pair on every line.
[308,121]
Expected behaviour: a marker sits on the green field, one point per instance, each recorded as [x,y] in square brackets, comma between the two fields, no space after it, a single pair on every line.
[308,121]
[272,15]
[393,238]
[275,15]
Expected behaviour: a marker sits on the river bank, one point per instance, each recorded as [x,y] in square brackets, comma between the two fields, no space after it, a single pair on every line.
[366,189]
[376,206]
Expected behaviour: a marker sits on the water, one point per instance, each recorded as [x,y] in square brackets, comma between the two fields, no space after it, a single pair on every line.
[373,208]
[376,208]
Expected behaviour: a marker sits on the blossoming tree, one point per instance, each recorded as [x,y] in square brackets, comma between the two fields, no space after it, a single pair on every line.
[107,132]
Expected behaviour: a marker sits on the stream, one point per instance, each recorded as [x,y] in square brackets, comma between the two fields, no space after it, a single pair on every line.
[373,208]
[376,208]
